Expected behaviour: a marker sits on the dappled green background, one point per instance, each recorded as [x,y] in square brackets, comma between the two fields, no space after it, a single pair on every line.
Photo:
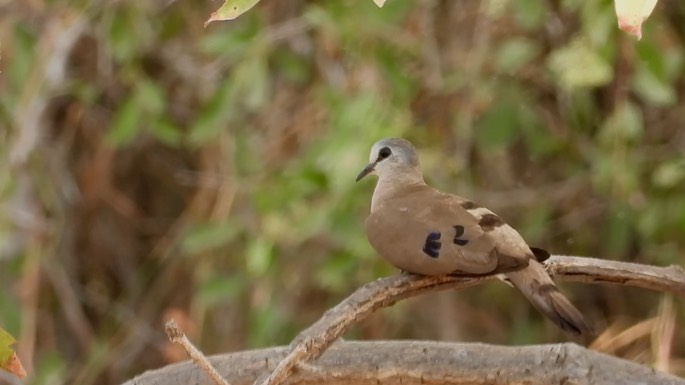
[155,169]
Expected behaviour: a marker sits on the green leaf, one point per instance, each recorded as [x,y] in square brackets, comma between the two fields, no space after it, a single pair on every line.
[125,123]
[669,174]
[167,132]
[529,14]
[615,173]
[6,342]
[124,38]
[231,9]
[259,257]
[293,67]
[536,222]
[266,325]
[23,56]
[8,357]
[334,274]
[538,138]
[618,231]
[151,96]
[624,124]
[252,82]
[213,115]
[234,44]
[498,126]
[515,53]
[205,237]
[653,89]
[598,24]
[219,289]
[579,65]
[651,56]
[650,221]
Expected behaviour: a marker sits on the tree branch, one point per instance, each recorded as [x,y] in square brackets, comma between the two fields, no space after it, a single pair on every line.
[426,363]
[669,279]
[312,342]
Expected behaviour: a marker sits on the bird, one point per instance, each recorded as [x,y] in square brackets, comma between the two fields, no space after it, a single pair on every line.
[424,231]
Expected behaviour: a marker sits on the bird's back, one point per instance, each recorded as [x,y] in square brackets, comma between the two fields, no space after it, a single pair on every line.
[424,231]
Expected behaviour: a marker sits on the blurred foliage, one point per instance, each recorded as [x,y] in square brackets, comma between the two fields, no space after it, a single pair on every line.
[157,169]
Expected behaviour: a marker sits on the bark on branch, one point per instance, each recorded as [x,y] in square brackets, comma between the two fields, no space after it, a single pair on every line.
[426,363]
[669,279]
[312,342]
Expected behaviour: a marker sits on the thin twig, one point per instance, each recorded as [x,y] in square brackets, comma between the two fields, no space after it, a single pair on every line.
[178,337]
[312,342]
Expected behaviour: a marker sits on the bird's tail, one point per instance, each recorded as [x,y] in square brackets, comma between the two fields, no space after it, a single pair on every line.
[537,286]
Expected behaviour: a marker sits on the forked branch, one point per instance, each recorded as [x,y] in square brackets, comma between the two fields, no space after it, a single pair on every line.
[311,343]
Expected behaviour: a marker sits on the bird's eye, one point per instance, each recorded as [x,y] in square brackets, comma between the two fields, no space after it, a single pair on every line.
[384,153]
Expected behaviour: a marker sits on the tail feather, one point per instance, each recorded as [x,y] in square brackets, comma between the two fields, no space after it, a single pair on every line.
[537,286]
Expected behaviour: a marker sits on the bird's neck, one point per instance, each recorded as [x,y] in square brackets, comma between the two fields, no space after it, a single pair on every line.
[387,188]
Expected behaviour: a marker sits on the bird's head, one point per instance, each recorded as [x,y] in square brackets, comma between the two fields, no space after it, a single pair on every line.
[392,156]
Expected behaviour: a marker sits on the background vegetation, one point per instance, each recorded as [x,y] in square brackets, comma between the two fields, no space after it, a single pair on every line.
[153,168]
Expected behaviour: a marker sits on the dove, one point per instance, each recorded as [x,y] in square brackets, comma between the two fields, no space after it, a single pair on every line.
[422,230]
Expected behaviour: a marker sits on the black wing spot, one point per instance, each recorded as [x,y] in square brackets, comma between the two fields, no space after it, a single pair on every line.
[459,232]
[489,222]
[433,244]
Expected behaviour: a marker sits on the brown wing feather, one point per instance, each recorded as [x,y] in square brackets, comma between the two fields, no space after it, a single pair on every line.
[398,230]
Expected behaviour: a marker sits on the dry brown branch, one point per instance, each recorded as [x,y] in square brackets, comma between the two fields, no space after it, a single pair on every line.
[312,342]
[427,363]
[669,279]
[177,336]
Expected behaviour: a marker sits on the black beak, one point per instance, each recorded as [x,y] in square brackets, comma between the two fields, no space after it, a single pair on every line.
[369,167]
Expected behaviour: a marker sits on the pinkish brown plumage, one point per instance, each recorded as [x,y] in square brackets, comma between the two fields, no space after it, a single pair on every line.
[421,230]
